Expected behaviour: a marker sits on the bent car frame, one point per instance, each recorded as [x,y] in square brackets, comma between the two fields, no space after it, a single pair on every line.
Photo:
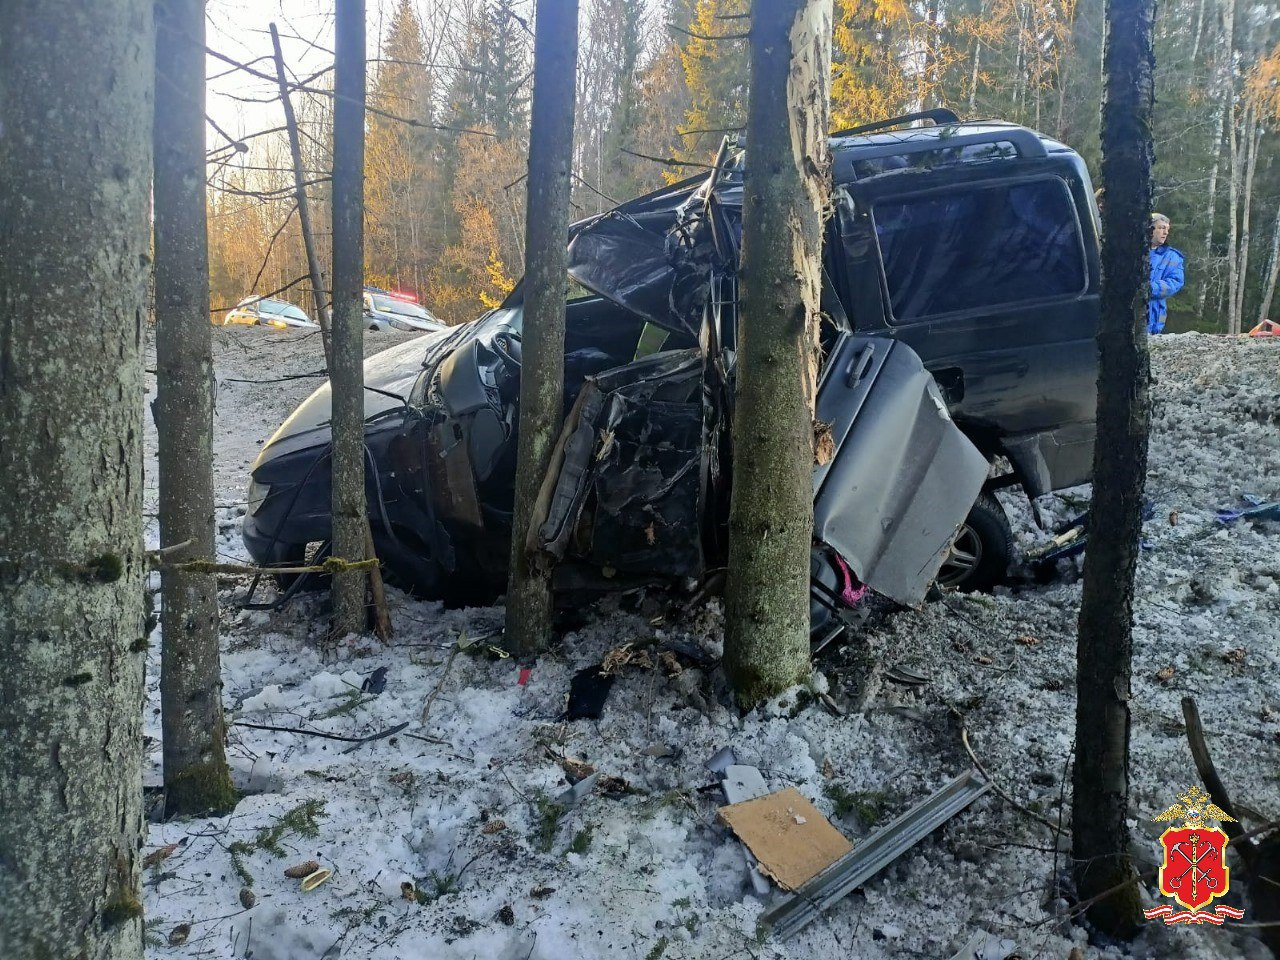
[959,310]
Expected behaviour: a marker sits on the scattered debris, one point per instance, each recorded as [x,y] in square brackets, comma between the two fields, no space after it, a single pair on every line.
[375,682]
[874,854]
[588,691]
[984,946]
[158,856]
[571,797]
[906,677]
[309,883]
[789,836]
[1259,511]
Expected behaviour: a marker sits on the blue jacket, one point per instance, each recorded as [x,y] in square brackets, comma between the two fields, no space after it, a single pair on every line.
[1167,278]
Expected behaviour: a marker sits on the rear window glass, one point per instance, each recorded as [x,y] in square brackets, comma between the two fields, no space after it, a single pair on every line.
[978,247]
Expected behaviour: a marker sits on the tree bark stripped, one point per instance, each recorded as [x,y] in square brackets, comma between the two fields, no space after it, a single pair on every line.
[196,778]
[785,194]
[1100,835]
[555,64]
[346,369]
[76,85]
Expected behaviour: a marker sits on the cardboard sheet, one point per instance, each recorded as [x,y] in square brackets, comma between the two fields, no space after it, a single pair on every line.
[787,834]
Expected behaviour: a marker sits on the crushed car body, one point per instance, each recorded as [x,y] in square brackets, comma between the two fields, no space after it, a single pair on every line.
[639,487]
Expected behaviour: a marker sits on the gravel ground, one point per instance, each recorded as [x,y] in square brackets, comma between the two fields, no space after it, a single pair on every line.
[456,803]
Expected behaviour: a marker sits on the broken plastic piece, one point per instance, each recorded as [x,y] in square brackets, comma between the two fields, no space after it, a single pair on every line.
[587,693]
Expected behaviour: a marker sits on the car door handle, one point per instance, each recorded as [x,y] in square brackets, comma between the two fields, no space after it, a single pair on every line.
[857,368]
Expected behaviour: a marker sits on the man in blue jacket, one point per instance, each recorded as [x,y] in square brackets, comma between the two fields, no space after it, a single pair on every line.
[1167,276]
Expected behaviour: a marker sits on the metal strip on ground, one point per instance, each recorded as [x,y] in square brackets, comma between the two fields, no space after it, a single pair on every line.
[869,858]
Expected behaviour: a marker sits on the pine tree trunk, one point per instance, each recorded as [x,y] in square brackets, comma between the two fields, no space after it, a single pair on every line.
[346,372]
[76,84]
[196,777]
[786,189]
[555,64]
[1100,835]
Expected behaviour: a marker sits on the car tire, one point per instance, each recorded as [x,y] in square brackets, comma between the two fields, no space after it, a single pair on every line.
[982,550]
[407,564]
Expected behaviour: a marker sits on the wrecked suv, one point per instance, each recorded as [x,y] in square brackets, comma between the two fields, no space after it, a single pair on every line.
[960,303]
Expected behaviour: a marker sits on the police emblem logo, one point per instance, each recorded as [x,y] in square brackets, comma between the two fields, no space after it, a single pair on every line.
[1194,872]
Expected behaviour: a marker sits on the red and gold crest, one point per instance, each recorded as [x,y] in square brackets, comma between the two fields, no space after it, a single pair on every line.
[1195,870]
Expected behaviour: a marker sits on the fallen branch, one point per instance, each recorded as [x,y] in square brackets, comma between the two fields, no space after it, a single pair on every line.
[331,565]
[391,731]
[995,787]
[461,645]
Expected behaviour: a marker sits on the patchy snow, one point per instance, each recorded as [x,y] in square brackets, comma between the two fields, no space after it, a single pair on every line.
[459,805]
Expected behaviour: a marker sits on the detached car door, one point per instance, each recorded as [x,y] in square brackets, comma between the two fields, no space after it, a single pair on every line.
[903,476]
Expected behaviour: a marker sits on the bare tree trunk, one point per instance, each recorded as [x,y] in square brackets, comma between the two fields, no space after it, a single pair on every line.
[381,613]
[346,373]
[1233,227]
[555,64]
[1104,652]
[1211,211]
[196,778]
[76,87]
[300,194]
[786,189]
[973,79]
[1252,135]
[1273,270]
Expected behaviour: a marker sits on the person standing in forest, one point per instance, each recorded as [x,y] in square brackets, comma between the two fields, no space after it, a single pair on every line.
[1167,273]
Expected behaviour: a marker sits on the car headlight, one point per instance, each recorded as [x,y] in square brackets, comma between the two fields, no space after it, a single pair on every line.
[258,492]
[278,323]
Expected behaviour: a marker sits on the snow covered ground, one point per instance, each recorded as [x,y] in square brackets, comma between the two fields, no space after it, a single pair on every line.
[459,805]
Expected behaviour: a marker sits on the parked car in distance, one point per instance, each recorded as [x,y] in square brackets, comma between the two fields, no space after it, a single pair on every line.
[960,306]
[388,310]
[266,312]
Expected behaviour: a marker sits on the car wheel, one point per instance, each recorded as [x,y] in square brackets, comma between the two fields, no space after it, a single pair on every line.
[981,551]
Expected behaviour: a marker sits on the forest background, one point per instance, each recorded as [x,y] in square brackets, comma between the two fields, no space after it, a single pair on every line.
[659,84]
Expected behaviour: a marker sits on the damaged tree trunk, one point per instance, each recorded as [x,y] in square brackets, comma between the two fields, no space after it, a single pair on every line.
[555,64]
[346,366]
[786,189]
[1100,835]
[196,778]
[76,86]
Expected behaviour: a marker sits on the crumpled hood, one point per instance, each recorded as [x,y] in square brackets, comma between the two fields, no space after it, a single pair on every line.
[394,370]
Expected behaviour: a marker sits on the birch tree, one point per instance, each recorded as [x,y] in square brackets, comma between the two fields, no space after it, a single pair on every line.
[196,777]
[76,84]
[1104,873]
[785,192]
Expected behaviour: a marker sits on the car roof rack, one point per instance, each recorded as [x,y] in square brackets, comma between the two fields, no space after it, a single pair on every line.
[939,116]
